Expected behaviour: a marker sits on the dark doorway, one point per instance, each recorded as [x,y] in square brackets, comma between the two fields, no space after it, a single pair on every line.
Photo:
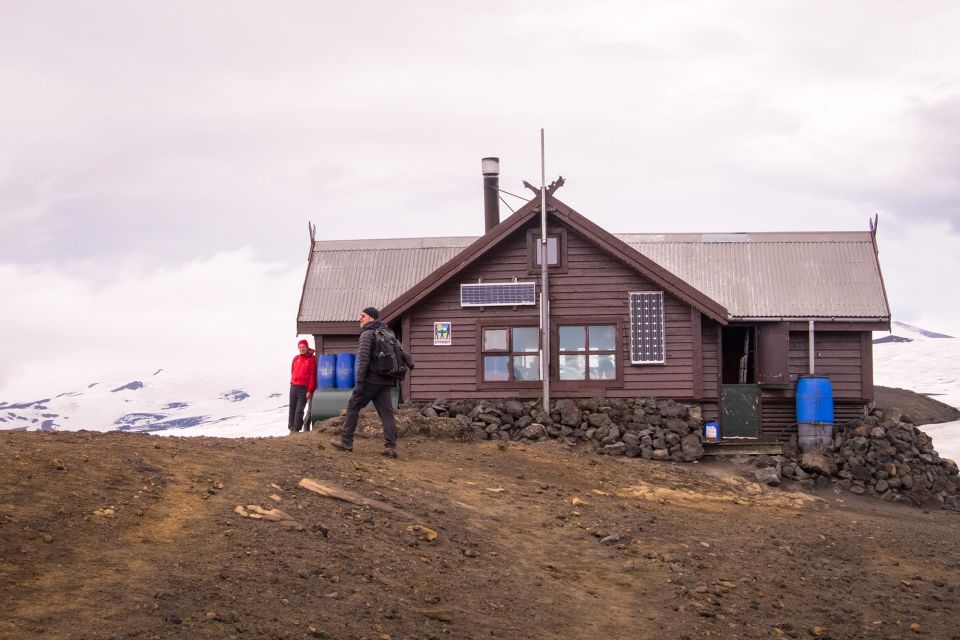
[740,393]
[739,351]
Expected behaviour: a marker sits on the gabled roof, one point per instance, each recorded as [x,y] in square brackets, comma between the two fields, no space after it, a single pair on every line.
[829,275]
[573,220]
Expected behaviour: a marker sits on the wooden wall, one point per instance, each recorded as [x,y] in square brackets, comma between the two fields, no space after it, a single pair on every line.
[590,286]
[844,356]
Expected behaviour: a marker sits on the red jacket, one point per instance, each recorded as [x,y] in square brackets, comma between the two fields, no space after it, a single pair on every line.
[303,372]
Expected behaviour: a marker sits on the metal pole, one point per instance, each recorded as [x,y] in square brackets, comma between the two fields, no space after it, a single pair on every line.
[810,346]
[544,284]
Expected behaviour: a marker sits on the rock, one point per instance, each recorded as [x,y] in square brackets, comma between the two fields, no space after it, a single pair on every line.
[691,447]
[523,421]
[443,615]
[676,425]
[661,454]
[489,418]
[610,539]
[514,408]
[533,431]
[428,412]
[570,413]
[878,432]
[631,439]
[768,476]
[598,420]
[615,449]
[817,462]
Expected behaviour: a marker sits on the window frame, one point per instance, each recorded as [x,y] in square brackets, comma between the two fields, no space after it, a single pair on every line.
[532,246]
[617,352]
[510,383]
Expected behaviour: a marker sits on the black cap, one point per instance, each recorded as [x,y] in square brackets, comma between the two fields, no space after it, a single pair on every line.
[372,312]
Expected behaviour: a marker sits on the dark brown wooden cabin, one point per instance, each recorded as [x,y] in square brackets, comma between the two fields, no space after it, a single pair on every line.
[731,332]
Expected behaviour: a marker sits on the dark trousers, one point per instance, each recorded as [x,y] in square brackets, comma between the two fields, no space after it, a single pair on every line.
[380,395]
[298,402]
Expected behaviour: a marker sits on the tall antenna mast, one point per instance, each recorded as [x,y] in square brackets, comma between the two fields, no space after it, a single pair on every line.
[544,284]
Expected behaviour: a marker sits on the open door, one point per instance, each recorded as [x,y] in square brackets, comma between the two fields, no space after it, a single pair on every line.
[740,393]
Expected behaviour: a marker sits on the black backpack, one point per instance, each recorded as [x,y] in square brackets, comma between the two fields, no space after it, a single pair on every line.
[387,356]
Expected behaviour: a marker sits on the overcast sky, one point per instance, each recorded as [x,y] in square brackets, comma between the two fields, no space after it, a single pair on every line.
[159,161]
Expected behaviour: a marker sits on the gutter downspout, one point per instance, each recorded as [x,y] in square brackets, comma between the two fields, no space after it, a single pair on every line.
[810,341]
[544,285]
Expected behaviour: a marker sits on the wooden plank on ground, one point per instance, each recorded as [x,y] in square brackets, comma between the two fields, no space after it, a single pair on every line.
[337,493]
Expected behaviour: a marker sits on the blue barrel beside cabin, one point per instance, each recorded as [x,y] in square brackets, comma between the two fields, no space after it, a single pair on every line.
[346,370]
[814,413]
[326,371]
[814,399]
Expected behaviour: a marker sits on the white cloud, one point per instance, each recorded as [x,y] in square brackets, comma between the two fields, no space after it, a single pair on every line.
[225,314]
[153,133]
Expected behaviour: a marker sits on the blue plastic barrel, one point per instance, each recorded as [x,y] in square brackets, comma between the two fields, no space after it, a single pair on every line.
[326,371]
[814,400]
[346,370]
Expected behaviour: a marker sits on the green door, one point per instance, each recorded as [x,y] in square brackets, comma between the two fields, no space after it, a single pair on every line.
[741,411]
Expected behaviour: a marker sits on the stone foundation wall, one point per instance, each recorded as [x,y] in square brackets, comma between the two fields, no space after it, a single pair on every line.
[642,427]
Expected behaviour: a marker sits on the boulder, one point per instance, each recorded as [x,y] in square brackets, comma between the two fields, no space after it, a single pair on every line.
[691,447]
[533,431]
[615,449]
[768,476]
[817,462]
[570,413]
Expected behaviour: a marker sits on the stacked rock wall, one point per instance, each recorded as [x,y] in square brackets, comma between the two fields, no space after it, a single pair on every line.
[878,455]
[636,427]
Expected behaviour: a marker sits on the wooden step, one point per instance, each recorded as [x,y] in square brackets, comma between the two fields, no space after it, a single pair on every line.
[742,448]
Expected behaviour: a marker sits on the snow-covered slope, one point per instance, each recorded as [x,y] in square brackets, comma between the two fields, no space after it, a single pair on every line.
[925,362]
[161,402]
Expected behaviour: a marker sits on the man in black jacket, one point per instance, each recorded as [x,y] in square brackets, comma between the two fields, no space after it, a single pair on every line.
[371,386]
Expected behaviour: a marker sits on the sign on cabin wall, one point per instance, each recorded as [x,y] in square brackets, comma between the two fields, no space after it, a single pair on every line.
[441,334]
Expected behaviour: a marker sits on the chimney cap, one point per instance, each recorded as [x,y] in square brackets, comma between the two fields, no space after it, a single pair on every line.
[490,166]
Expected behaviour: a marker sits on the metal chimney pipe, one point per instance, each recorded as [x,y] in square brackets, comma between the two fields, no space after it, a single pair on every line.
[491,192]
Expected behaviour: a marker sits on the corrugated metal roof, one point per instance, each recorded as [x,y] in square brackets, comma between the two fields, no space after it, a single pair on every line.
[346,276]
[754,275]
[774,275]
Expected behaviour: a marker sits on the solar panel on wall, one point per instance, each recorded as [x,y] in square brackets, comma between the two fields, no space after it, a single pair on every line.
[646,328]
[498,294]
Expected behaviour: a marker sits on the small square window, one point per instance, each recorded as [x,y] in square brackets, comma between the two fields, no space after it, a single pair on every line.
[495,340]
[526,339]
[495,368]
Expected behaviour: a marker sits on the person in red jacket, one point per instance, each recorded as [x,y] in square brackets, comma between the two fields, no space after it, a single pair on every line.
[303,380]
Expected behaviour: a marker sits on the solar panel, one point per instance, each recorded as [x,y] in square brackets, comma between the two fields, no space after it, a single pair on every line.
[646,328]
[498,294]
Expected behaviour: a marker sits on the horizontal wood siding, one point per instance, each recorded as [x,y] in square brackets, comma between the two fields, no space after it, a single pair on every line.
[339,344]
[594,286]
[710,350]
[780,416]
[839,355]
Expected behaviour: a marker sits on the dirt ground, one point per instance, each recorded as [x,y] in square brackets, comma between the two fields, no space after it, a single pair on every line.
[135,536]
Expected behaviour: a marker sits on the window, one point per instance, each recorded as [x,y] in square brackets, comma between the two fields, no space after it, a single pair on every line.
[511,354]
[553,250]
[588,352]
[556,250]
[646,328]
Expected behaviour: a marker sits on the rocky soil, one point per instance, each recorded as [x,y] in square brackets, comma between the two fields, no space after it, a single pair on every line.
[134,536]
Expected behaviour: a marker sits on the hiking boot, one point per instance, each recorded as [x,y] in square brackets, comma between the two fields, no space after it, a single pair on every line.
[337,443]
[389,452]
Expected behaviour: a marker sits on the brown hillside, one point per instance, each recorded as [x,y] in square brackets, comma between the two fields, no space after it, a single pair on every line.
[133,536]
[919,409]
